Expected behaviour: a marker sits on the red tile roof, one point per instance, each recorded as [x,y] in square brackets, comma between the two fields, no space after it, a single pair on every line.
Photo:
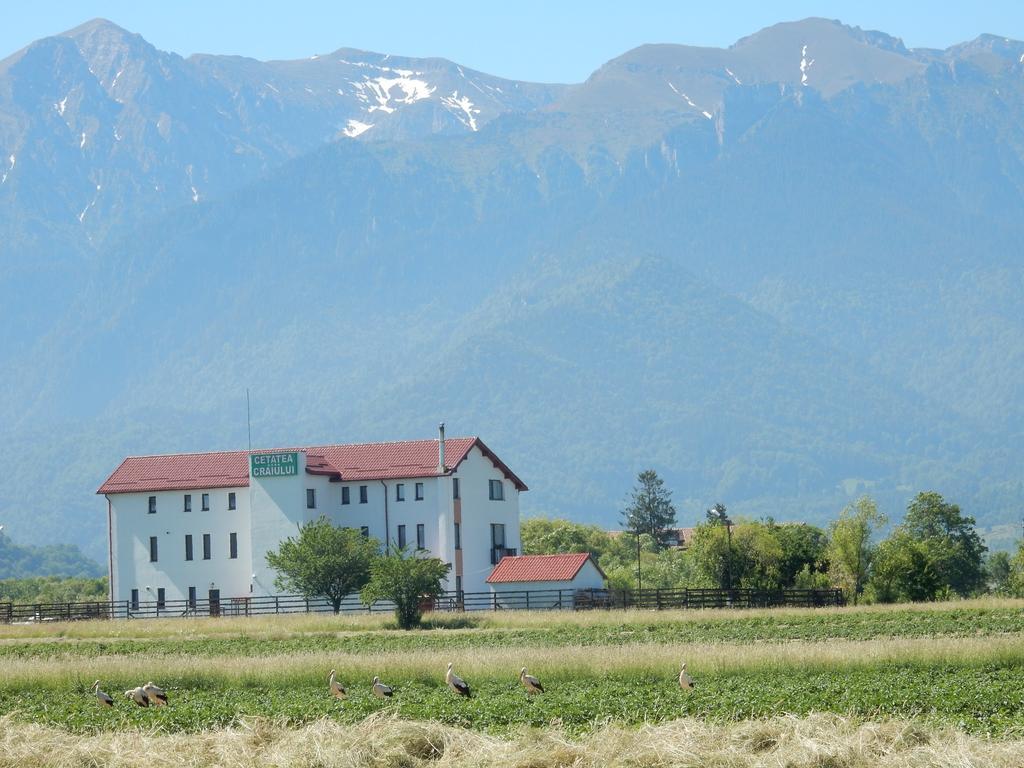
[539,568]
[230,469]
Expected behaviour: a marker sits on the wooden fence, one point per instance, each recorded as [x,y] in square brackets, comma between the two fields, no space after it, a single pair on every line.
[513,600]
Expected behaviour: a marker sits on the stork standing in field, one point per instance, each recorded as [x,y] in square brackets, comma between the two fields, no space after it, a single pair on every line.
[337,689]
[138,696]
[380,690]
[456,683]
[685,681]
[102,697]
[530,683]
[157,696]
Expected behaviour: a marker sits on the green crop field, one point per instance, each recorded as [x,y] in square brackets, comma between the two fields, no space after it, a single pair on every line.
[947,671]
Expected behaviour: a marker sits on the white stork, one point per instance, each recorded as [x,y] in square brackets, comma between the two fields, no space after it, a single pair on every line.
[456,683]
[530,683]
[157,696]
[685,681]
[138,696]
[337,689]
[102,697]
[380,690]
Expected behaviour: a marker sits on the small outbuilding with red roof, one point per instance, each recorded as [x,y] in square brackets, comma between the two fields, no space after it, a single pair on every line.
[550,580]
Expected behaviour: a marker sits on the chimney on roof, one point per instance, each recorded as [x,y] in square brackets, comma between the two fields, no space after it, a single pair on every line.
[440,449]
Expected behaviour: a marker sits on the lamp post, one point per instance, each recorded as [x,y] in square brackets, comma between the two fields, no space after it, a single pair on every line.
[728,561]
[639,578]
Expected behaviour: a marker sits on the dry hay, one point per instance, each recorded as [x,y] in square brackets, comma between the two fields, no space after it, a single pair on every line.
[382,741]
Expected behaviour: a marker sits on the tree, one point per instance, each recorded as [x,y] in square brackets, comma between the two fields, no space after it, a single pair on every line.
[324,561]
[406,580]
[712,554]
[650,509]
[902,571]
[953,546]
[803,549]
[544,536]
[999,570]
[850,549]
[757,556]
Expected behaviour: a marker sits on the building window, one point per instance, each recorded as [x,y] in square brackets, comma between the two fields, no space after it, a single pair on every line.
[233,546]
[152,549]
[152,505]
[311,498]
[135,599]
[401,537]
[421,536]
[458,536]
[455,488]
[206,546]
[188,546]
[231,500]
[363,493]
[498,548]
[365,530]
[192,597]
[161,598]
[188,502]
[419,491]
[344,494]
[206,502]
[400,492]
[497,490]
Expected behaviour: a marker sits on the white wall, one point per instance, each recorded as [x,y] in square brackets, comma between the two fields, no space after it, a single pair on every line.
[478,512]
[132,525]
[587,578]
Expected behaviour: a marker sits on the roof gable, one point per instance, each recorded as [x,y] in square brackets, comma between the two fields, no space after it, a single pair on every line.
[540,568]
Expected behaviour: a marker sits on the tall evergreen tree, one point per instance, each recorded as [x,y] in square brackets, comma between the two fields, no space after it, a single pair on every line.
[650,509]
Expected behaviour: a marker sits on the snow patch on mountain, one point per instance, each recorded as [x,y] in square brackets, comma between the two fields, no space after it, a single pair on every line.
[355,128]
[117,136]
[367,65]
[116,78]
[81,216]
[81,144]
[805,65]
[191,183]
[3,178]
[730,73]
[407,90]
[61,106]
[689,101]
[462,108]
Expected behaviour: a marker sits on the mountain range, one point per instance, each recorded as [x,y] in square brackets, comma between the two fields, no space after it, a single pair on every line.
[782,274]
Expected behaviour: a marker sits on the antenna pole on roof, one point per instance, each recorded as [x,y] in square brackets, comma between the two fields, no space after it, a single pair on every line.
[248,418]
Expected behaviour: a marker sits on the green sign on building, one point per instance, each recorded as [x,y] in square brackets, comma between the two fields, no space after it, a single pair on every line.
[273,464]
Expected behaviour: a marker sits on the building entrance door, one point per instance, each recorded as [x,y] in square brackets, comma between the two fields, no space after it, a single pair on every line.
[215,602]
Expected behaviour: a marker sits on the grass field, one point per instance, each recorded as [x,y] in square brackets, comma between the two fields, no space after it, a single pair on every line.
[950,673]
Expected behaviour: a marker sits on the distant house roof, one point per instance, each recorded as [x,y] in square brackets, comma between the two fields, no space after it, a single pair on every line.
[676,537]
[539,568]
[343,463]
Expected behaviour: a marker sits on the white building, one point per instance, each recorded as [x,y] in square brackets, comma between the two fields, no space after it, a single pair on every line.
[198,526]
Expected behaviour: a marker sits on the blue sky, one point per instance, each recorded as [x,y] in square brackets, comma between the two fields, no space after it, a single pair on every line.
[530,40]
